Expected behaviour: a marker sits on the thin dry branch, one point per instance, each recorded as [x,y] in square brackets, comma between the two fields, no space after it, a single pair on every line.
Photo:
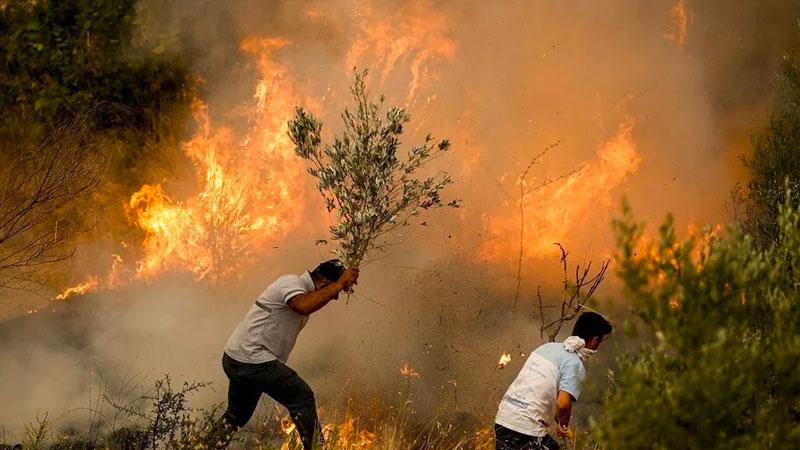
[523,191]
[39,191]
[573,296]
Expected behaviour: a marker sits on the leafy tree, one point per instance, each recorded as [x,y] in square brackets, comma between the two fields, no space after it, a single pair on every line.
[60,58]
[775,158]
[67,62]
[372,189]
[721,368]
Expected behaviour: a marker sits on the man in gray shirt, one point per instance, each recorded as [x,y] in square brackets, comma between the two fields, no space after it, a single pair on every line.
[256,353]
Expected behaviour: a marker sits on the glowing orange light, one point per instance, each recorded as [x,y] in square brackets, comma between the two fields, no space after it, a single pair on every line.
[417,33]
[408,371]
[679,24]
[78,289]
[559,208]
[249,185]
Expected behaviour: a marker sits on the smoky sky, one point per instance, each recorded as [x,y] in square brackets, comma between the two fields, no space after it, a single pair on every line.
[522,75]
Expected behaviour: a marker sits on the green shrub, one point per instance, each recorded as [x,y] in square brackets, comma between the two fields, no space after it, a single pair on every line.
[721,368]
[61,58]
[775,159]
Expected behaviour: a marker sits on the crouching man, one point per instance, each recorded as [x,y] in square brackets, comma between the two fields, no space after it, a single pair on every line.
[256,353]
[548,384]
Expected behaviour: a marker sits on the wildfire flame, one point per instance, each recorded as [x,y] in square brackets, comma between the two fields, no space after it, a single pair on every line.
[249,189]
[679,24]
[78,289]
[248,186]
[559,208]
[416,33]
[505,358]
[408,371]
[347,435]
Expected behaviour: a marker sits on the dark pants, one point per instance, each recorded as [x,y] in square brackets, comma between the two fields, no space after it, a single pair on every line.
[505,439]
[249,381]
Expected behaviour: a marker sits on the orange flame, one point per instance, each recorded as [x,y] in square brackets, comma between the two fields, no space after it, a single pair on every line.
[93,282]
[78,289]
[679,24]
[417,33]
[347,435]
[408,371]
[558,209]
[248,186]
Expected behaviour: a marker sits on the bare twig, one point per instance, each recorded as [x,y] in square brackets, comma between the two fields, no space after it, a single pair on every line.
[39,190]
[573,296]
[536,158]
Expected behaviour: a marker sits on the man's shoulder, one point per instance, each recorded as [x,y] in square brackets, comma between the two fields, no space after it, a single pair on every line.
[284,285]
[558,355]
[287,280]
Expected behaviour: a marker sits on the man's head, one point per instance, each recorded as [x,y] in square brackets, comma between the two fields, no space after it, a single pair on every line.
[327,273]
[592,328]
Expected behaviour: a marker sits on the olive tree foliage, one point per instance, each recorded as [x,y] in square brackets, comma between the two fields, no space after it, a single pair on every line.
[363,179]
[774,160]
[723,316]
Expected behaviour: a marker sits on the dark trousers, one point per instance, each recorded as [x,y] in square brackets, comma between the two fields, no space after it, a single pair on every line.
[505,439]
[249,381]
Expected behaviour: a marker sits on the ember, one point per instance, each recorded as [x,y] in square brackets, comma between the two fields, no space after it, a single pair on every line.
[505,358]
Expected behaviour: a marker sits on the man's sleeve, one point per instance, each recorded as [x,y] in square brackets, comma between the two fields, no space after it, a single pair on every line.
[571,380]
[291,287]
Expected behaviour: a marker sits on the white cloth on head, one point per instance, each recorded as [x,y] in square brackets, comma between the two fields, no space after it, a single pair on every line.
[574,344]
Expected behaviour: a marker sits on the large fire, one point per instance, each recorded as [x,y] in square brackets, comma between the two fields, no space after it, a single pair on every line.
[559,209]
[248,186]
[248,194]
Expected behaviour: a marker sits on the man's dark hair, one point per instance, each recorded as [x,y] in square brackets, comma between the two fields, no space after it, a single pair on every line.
[591,324]
[330,270]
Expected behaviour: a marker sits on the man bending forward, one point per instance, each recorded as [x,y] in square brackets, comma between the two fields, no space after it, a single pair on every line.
[256,353]
[548,384]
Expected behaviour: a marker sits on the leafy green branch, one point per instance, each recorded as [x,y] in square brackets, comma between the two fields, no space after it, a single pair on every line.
[371,189]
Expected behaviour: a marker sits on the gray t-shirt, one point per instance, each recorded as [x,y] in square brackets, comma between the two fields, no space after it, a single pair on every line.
[270,328]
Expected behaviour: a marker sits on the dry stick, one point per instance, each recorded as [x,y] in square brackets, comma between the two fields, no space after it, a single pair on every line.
[541,309]
[571,304]
[546,181]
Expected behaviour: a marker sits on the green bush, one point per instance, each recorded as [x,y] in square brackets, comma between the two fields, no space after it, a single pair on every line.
[775,159]
[61,58]
[721,368]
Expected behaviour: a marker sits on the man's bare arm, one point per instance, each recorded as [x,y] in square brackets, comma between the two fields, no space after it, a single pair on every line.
[313,301]
[563,412]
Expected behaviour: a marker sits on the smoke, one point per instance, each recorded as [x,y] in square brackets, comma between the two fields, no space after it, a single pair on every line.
[502,81]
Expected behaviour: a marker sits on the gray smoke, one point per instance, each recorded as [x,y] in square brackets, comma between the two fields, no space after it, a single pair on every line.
[523,75]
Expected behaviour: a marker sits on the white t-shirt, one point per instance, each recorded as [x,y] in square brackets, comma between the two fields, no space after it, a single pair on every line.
[529,405]
[270,328]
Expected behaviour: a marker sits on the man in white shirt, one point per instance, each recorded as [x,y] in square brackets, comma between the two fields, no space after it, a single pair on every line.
[548,384]
[256,352]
